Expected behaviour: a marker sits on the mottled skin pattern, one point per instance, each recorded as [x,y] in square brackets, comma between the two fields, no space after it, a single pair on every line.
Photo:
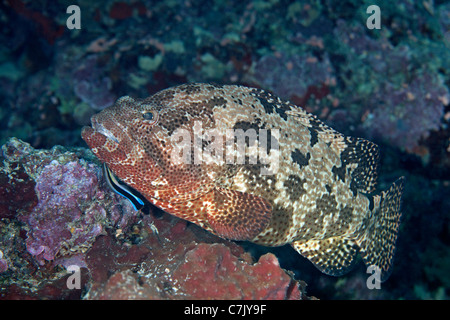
[317,197]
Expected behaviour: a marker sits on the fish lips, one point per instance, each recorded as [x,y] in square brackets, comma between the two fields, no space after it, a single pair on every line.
[103,142]
[100,128]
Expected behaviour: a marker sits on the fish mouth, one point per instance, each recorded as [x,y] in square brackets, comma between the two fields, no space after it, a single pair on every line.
[98,127]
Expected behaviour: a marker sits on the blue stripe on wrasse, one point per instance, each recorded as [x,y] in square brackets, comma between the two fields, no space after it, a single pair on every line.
[122,189]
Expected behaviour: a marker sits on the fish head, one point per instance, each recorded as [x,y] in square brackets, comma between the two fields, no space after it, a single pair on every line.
[135,138]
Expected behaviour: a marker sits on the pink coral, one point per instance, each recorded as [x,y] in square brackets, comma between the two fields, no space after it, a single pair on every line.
[60,216]
[91,86]
[290,76]
[404,116]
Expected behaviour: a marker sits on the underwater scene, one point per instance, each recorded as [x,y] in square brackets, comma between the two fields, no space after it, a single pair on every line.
[225,150]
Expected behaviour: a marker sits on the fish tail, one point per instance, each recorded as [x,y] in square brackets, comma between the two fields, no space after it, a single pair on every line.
[377,242]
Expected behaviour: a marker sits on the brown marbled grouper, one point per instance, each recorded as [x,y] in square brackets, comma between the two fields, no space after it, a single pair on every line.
[246,165]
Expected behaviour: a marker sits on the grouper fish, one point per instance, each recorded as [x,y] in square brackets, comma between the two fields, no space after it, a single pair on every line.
[247,165]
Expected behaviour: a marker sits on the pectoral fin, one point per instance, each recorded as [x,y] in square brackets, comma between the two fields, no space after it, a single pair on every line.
[236,215]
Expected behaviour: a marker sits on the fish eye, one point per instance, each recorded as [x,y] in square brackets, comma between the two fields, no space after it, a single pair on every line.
[150,117]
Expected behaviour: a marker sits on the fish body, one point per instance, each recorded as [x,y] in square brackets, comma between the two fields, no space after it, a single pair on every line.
[247,165]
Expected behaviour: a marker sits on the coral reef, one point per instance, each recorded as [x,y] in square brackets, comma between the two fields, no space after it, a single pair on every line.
[91,86]
[186,264]
[56,210]
[406,115]
[404,101]
[67,215]
[295,77]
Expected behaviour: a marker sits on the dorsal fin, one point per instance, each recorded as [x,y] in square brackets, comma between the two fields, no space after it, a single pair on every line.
[366,155]
[351,150]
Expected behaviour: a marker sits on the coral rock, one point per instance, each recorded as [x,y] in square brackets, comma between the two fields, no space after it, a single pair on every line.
[64,216]
[16,192]
[185,263]
[212,272]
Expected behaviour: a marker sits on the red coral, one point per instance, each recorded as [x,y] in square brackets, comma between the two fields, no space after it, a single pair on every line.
[125,286]
[316,91]
[122,10]
[208,271]
[46,26]
[16,192]
[212,272]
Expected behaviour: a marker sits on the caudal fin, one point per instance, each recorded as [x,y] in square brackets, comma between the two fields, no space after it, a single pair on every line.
[377,243]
